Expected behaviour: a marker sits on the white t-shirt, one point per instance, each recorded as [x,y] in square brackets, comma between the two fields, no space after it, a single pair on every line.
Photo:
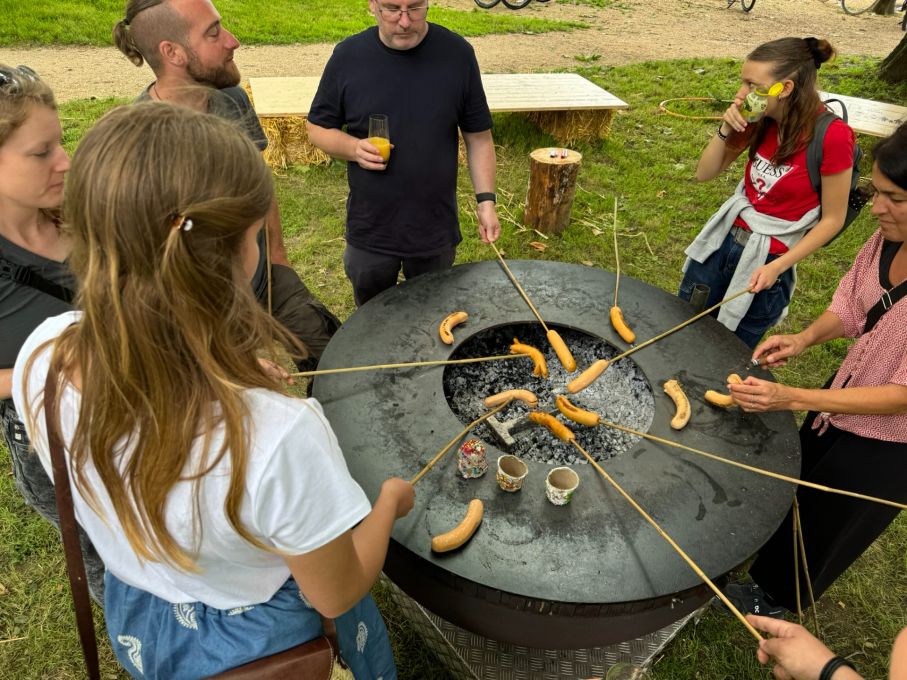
[298,496]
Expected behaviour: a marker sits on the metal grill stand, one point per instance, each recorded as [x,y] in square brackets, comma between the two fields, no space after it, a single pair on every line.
[470,656]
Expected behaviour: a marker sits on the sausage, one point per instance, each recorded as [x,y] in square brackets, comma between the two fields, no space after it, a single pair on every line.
[623,330]
[461,533]
[538,359]
[587,377]
[524,396]
[451,320]
[562,351]
[558,429]
[681,404]
[721,399]
[576,414]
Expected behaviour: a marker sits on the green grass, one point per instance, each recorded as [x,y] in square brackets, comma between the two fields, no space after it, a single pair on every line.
[255,22]
[648,161]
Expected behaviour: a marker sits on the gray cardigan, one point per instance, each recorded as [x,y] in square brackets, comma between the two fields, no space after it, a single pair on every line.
[755,252]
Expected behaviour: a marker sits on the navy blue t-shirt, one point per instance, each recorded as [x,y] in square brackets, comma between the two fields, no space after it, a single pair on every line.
[427,92]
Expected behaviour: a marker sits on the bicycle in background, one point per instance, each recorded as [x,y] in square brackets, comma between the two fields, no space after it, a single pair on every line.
[747,5]
[857,7]
[511,4]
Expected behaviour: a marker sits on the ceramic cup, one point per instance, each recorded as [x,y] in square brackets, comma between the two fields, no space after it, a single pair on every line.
[560,484]
[471,461]
[511,473]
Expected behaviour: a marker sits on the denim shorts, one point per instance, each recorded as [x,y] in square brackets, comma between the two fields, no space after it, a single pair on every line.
[717,271]
[159,640]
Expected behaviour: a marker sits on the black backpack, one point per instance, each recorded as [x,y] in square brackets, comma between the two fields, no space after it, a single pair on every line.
[857,198]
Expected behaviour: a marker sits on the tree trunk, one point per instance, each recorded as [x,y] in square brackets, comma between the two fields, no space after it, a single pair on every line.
[894,67]
[884,7]
[552,185]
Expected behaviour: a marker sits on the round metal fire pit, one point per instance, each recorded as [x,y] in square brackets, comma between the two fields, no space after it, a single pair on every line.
[592,572]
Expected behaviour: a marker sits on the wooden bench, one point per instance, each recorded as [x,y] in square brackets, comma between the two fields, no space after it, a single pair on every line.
[565,105]
[867,116]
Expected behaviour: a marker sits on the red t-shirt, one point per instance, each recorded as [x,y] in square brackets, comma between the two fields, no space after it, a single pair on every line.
[785,190]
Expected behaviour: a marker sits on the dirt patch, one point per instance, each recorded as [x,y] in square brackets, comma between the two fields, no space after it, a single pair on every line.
[629,31]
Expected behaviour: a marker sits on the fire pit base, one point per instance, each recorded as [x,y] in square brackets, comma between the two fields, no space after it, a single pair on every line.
[469,656]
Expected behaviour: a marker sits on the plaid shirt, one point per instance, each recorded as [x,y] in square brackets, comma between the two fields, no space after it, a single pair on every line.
[876,358]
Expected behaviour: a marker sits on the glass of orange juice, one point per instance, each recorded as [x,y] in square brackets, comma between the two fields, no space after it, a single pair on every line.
[378,135]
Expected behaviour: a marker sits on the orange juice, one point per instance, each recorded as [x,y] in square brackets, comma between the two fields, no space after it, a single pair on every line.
[383,145]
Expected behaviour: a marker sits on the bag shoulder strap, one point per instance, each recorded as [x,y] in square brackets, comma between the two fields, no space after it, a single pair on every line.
[73,551]
[889,297]
[27,276]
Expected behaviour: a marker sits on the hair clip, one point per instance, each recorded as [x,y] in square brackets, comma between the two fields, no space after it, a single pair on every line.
[182,222]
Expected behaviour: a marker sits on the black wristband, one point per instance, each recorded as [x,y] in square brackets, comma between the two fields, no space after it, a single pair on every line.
[721,135]
[833,665]
[486,196]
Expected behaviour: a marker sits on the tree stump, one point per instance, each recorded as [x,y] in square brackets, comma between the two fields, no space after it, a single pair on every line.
[552,185]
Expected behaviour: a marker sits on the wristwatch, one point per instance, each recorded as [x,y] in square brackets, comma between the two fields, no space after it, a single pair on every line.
[486,196]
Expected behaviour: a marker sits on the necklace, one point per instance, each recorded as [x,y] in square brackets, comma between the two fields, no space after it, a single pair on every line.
[154,92]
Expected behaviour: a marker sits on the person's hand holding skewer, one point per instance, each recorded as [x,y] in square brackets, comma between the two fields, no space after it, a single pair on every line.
[757,395]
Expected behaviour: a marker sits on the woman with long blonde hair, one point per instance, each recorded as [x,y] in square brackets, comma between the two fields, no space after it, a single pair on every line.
[221,505]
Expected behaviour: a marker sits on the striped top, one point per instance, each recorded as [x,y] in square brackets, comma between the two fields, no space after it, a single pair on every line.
[876,358]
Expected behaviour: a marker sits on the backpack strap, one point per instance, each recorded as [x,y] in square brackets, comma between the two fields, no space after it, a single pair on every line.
[27,276]
[814,150]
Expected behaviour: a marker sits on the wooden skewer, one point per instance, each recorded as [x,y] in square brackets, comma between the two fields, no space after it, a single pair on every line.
[721,596]
[809,582]
[744,466]
[453,441]
[679,326]
[411,364]
[518,286]
[616,256]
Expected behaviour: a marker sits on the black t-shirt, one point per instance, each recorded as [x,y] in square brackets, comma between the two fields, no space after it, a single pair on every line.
[23,308]
[427,92]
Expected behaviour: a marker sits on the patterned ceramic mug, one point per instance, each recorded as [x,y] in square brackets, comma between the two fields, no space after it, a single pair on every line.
[560,484]
[471,459]
[511,473]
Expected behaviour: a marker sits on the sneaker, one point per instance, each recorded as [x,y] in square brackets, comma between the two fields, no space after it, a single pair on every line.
[749,598]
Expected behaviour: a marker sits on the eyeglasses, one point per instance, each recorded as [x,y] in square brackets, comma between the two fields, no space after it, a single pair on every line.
[13,80]
[394,13]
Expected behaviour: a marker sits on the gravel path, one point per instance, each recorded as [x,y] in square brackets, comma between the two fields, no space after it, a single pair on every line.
[629,31]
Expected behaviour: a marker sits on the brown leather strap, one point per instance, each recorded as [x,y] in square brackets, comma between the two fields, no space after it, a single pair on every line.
[69,529]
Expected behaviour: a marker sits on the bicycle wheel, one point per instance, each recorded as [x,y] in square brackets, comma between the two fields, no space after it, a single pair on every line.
[855,7]
[747,4]
[487,4]
[516,4]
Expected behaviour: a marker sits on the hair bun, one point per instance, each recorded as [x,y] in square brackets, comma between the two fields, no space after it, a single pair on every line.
[816,53]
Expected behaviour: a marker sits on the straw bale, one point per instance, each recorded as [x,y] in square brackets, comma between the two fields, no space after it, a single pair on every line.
[288,141]
[569,127]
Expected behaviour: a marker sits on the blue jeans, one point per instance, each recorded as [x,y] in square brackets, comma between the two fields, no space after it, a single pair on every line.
[716,273]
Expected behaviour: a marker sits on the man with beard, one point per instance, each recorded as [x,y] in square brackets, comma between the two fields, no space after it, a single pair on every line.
[191,54]
[402,206]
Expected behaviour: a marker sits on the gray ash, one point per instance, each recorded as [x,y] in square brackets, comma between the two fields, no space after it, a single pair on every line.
[621,394]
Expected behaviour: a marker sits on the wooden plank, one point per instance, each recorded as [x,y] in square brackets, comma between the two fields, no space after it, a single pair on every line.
[277,97]
[867,116]
[546,92]
[292,96]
